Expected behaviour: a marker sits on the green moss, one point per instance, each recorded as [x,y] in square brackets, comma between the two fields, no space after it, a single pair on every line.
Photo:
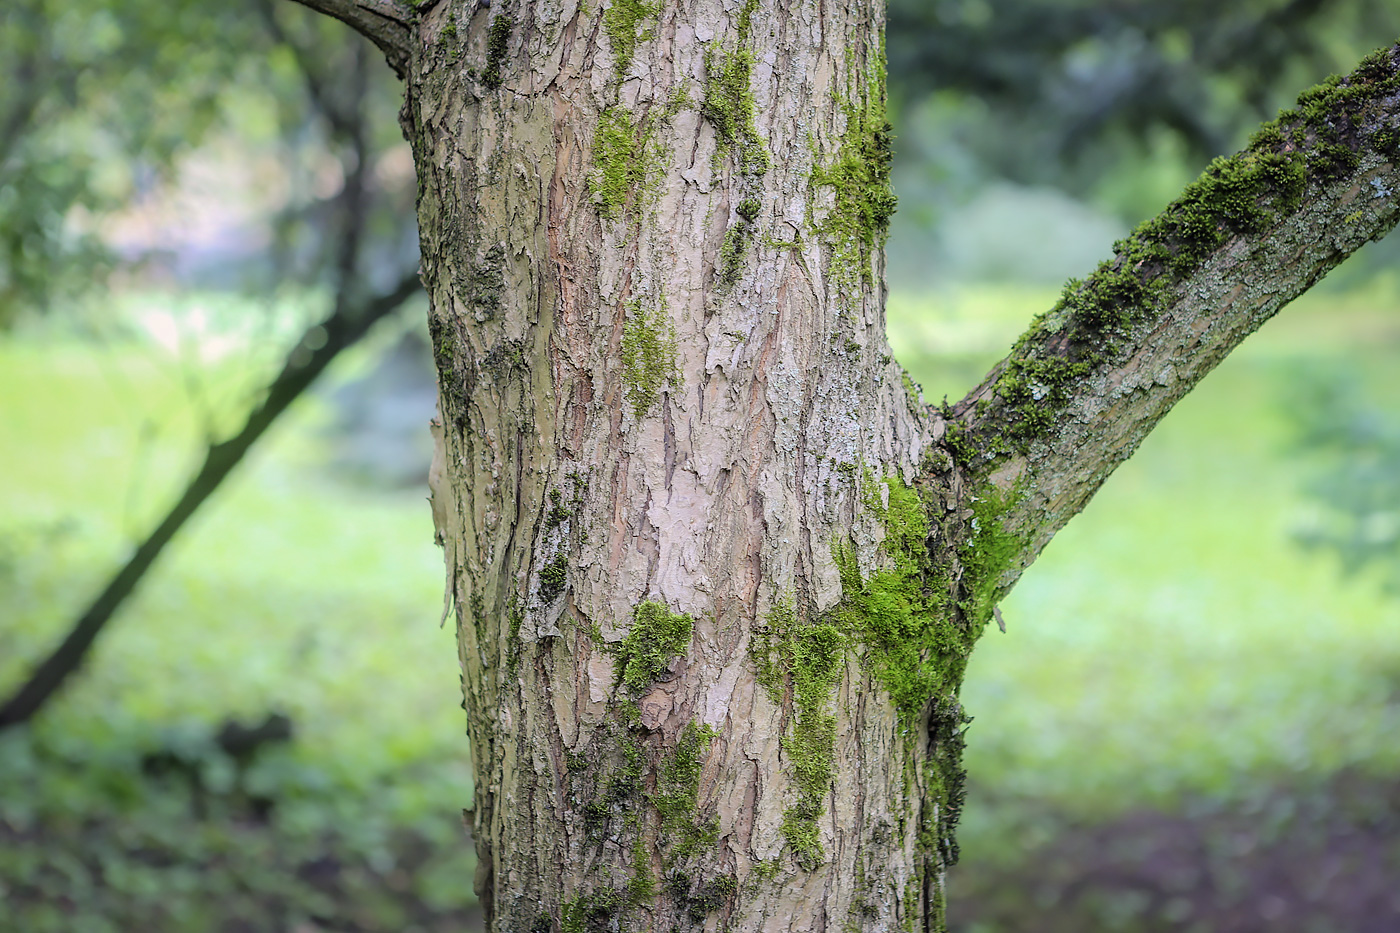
[678,793]
[553,578]
[811,750]
[515,618]
[481,284]
[561,509]
[558,514]
[859,176]
[903,620]
[1034,388]
[627,24]
[678,99]
[731,252]
[1240,195]
[810,655]
[959,441]
[774,243]
[449,32]
[497,45]
[714,894]
[945,780]
[623,161]
[1386,141]
[609,783]
[728,100]
[1317,141]
[697,901]
[588,912]
[641,887]
[912,390]
[609,777]
[648,356]
[912,638]
[737,240]
[657,636]
[988,553]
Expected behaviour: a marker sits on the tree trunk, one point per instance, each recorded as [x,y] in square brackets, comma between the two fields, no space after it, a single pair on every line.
[716,569]
[652,242]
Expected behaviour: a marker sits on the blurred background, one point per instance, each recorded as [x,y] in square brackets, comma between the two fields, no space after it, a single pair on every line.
[211,337]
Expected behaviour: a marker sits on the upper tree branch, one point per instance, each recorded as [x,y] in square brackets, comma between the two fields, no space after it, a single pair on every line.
[386,23]
[1091,377]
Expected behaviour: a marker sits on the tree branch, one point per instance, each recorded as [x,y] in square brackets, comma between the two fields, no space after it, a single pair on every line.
[1091,377]
[386,23]
[346,325]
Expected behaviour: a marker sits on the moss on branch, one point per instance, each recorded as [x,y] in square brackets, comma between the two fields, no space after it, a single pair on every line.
[1091,328]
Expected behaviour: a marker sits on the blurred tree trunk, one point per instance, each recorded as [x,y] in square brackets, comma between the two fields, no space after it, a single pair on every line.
[716,567]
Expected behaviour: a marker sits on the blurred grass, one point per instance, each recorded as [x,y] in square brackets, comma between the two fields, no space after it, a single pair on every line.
[290,591]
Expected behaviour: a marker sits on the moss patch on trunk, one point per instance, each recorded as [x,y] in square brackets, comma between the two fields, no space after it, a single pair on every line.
[648,356]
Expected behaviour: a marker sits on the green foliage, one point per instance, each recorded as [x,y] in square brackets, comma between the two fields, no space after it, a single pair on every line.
[1083,89]
[648,356]
[657,636]
[98,98]
[1352,446]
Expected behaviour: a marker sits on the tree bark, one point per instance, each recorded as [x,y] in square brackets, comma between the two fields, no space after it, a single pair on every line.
[716,568]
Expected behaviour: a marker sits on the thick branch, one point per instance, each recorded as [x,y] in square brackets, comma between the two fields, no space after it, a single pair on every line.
[346,325]
[1091,377]
[384,22]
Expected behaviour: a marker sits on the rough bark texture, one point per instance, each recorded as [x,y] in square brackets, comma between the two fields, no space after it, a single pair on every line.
[651,240]
[716,570]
